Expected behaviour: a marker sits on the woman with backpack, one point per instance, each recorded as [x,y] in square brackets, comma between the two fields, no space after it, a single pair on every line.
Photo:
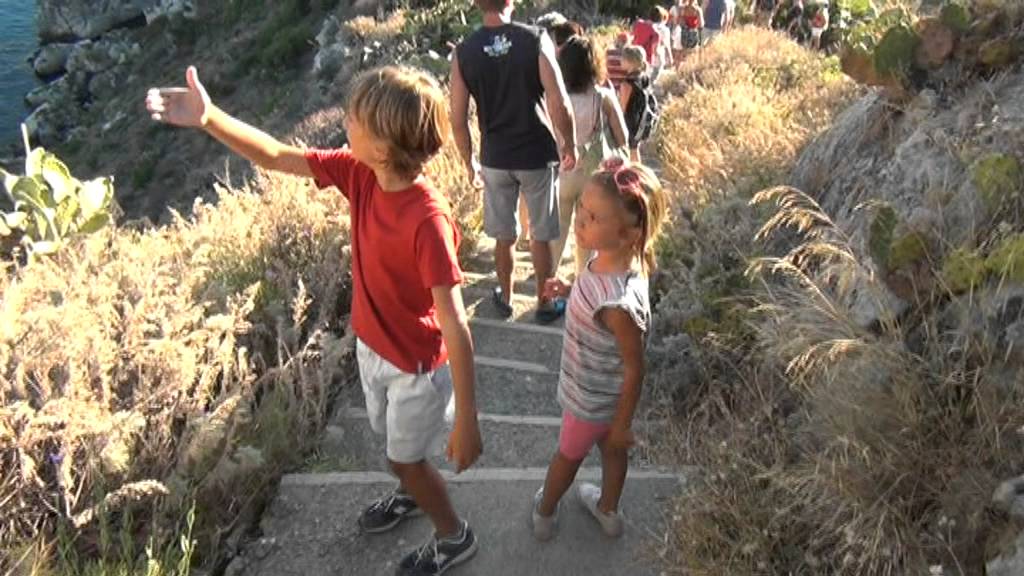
[600,130]
[636,96]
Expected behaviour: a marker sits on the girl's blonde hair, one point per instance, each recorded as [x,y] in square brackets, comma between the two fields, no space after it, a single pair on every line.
[636,55]
[642,196]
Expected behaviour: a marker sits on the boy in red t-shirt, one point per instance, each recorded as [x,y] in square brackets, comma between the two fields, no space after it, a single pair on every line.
[407,309]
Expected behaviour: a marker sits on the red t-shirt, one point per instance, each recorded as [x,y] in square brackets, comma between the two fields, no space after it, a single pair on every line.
[644,34]
[403,244]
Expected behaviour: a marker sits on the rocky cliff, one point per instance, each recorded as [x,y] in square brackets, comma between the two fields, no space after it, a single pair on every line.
[68,20]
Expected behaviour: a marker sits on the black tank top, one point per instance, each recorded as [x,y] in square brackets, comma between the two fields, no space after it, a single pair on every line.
[501,69]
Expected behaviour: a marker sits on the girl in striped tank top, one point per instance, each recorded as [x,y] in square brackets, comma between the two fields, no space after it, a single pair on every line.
[608,316]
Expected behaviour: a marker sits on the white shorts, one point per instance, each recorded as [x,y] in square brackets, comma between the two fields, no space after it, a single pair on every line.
[411,409]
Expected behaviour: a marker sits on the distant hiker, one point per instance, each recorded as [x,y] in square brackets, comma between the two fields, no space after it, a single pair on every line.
[600,131]
[646,35]
[636,97]
[764,12]
[818,21]
[663,53]
[602,368]
[687,33]
[413,342]
[716,18]
[511,72]
[614,71]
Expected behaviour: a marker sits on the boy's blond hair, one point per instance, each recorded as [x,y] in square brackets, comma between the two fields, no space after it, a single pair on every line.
[407,110]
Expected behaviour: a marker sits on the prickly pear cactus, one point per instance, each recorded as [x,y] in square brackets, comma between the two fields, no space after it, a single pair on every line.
[905,50]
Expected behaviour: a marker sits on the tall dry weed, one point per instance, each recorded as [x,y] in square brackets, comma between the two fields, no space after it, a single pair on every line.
[845,448]
[742,110]
[137,366]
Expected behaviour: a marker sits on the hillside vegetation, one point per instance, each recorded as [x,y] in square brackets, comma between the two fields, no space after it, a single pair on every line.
[154,382]
[846,380]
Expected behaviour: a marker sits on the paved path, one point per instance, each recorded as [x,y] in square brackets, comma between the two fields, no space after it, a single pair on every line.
[309,528]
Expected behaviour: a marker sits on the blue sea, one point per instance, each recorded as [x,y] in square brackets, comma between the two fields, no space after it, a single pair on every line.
[18,41]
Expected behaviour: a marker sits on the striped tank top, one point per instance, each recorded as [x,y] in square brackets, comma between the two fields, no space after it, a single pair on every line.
[590,378]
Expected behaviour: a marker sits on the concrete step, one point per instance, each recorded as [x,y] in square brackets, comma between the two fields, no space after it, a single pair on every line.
[509,442]
[517,341]
[523,287]
[502,388]
[504,391]
[309,529]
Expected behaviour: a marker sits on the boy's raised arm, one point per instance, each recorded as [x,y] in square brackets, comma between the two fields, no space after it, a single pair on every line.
[464,446]
[191,107]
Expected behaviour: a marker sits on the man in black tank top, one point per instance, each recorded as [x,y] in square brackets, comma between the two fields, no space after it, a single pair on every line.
[510,71]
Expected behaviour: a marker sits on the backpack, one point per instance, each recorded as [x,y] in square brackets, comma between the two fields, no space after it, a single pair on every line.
[642,111]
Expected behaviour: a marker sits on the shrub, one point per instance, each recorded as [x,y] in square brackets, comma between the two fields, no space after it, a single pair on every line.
[145,370]
[49,205]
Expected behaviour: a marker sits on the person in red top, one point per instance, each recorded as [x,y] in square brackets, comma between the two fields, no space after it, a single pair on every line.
[414,345]
[645,34]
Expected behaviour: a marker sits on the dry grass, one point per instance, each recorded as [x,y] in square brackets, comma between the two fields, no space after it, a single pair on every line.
[140,371]
[742,111]
[369,29]
[828,445]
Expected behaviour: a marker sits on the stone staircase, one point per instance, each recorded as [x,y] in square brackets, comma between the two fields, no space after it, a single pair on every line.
[310,529]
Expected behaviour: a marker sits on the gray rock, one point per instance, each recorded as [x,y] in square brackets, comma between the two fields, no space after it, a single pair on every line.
[165,8]
[328,61]
[103,86]
[1010,563]
[92,57]
[328,32]
[40,95]
[1009,497]
[77,19]
[39,125]
[51,59]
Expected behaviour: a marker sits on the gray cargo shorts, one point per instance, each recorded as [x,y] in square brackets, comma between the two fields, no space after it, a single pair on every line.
[501,198]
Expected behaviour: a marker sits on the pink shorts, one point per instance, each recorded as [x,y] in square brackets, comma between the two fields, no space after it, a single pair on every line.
[579,436]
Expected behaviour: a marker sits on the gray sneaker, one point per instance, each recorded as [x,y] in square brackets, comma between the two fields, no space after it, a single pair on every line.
[439,554]
[543,526]
[387,511]
[611,524]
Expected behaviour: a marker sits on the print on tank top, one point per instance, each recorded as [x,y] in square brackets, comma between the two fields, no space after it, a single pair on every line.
[499,47]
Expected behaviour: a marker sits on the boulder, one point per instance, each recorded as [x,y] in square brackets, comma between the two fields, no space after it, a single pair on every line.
[51,59]
[1010,563]
[1008,499]
[165,8]
[60,20]
[946,164]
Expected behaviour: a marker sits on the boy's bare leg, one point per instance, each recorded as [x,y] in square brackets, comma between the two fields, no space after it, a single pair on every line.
[426,486]
[614,463]
[561,473]
[503,262]
[541,254]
